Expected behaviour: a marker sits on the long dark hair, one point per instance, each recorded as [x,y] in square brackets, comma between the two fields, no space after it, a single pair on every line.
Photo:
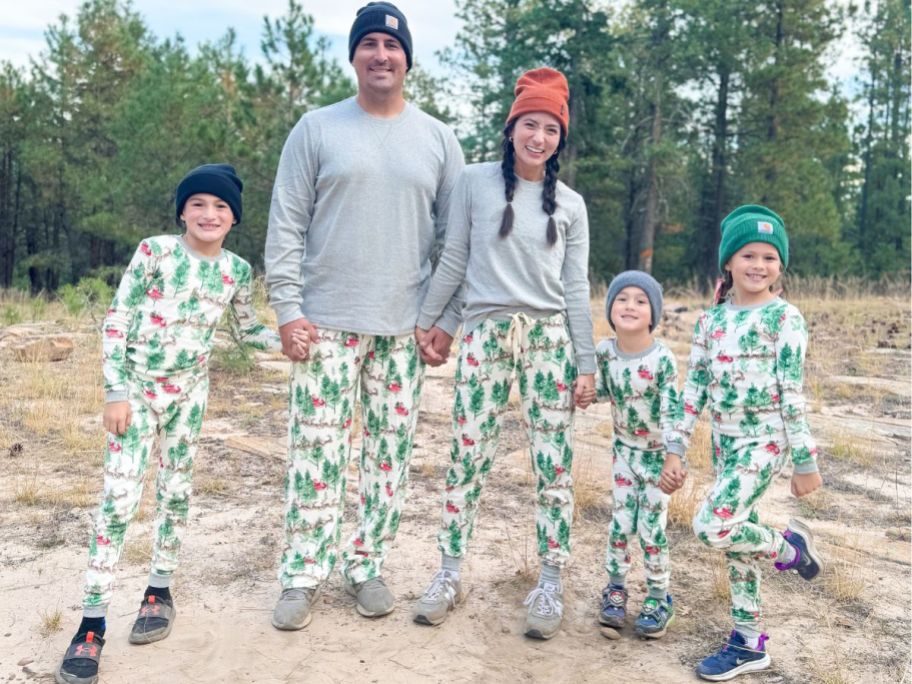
[549,191]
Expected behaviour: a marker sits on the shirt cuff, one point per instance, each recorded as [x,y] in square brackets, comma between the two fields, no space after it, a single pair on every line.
[288,313]
[116,395]
[806,468]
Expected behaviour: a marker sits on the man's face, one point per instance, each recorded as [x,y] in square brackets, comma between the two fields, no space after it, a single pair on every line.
[380,64]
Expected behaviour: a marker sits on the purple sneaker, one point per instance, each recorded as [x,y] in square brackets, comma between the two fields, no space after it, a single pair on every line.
[806,562]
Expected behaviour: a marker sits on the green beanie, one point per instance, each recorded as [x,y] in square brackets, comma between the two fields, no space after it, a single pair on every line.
[752,223]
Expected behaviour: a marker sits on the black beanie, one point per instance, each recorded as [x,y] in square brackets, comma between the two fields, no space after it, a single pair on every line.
[384,17]
[220,180]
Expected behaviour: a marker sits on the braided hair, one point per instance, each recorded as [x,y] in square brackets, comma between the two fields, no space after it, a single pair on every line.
[549,190]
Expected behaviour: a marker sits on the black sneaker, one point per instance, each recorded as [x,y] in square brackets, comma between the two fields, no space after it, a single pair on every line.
[80,662]
[806,562]
[154,621]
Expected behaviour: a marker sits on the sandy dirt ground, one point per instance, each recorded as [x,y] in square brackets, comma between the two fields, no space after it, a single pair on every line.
[852,625]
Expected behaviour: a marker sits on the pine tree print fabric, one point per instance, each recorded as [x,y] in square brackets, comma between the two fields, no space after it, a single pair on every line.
[177,422]
[161,325]
[747,365]
[540,353]
[385,373]
[645,402]
[157,338]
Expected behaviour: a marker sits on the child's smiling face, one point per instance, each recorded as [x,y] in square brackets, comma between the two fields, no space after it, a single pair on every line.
[208,219]
[754,268]
[630,312]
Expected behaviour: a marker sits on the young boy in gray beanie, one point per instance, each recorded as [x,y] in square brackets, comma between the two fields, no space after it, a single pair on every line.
[638,374]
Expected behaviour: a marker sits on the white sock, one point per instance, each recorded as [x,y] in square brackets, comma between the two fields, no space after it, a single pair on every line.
[790,553]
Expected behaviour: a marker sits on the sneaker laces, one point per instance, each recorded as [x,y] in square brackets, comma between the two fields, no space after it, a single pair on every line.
[545,600]
[444,582]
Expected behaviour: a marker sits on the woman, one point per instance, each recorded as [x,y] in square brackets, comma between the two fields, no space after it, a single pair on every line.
[519,240]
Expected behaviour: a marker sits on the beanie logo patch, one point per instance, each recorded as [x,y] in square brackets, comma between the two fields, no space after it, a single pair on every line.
[765,227]
[392,22]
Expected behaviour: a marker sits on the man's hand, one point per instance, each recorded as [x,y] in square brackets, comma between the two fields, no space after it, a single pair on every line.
[584,390]
[805,484]
[292,345]
[434,345]
[673,474]
[117,417]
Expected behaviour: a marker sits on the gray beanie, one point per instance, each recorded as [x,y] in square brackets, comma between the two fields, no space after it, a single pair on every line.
[646,283]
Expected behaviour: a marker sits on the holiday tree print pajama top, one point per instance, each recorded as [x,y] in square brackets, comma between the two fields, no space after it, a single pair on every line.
[157,338]
[747,366]
[644,397]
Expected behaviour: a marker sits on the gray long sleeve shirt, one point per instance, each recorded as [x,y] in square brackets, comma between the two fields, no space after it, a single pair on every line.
[358,214]
[518,273]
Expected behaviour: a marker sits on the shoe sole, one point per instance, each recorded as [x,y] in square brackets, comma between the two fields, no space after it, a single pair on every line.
[350,590]
[62,678]
[141,639]
[657,634]
[616,623]
[423,619]
[291,627]
[538,634]
[804,530]
[753,666]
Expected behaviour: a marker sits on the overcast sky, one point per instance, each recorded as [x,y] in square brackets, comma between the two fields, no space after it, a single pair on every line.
[432,23]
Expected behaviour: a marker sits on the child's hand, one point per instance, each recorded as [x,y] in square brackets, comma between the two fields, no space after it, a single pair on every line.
[673,474]
[806,483]
[117,417]
[300,340]
[584,390]
[434,345]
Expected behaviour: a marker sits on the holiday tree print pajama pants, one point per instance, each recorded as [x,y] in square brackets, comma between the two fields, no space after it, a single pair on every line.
[171,408]
[385,373]
[728,519]
[541,354]
[641,509]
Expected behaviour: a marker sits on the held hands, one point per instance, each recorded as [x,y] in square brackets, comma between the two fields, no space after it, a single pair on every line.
[805,484]
[297,336]
[117,417]
[673,474]
[584,390]
[434,345]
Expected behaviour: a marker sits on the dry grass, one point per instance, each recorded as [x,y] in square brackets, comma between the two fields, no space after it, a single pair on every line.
[589,490]
[845,579]
[685,503]
[719,587]
[51,622]
[847,447]
[138,551]
[211,485]
[814,504]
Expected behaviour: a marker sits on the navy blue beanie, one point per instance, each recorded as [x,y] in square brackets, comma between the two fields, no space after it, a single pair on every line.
[383,17]
[220,180]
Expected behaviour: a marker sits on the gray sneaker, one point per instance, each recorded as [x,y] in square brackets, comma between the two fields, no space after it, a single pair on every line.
[546,610]
[374,598]
[293,609]
[441,596]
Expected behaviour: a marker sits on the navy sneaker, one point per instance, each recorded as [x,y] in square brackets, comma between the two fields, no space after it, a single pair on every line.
[614,606]
[655,617]
[734,659]
[806,562]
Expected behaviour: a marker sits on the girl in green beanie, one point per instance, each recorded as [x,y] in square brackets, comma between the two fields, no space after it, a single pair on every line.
[746,364]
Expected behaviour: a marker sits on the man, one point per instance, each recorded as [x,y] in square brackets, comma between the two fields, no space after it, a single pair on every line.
[358,211]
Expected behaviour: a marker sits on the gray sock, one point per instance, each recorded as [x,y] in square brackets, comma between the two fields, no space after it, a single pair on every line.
[549,573]
[751,635]
[451,563]
[658,594]
[159,581]
[95,611]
